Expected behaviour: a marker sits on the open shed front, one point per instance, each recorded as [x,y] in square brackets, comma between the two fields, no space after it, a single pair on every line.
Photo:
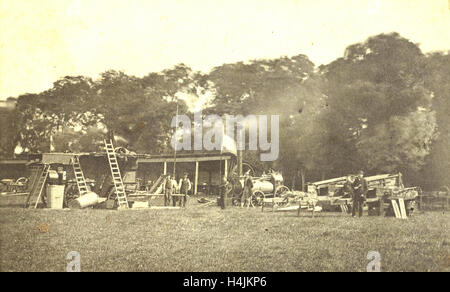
[204,171]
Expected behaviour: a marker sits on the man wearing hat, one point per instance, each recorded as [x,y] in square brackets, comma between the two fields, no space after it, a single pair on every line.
[185,186]
[225,188]
[359,194]
[247,193]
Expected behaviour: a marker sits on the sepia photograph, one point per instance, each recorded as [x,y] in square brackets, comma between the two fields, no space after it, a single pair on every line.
[250,136]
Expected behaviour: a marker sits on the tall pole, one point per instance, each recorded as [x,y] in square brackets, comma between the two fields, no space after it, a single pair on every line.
[220,178]
[175,152]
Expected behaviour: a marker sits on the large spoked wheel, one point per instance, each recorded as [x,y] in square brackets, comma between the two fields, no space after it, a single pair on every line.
[281,191]
[257,199]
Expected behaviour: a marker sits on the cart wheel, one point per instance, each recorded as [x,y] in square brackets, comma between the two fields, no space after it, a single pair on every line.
[281,191]
[257,199]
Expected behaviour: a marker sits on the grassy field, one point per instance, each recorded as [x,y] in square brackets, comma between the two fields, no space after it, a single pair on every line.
[211,239]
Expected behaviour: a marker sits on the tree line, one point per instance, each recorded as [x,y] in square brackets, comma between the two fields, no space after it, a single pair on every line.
[382,107]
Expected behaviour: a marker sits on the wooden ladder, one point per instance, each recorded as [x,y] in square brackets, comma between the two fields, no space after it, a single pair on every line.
[38,185]
[116,177]
[79,176]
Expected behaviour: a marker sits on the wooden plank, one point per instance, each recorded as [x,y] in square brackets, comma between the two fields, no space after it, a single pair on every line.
[12,194]
[164,207]
[196,177]
[274,200]
[396,210]
[207,204]
[401,202]
[225,172]
[288,208]
[140,205]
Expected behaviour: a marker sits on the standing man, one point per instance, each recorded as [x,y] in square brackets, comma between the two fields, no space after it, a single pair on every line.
[359,195]
[225,189]
[348,192]
[168,189]
[247,192]
[185,187]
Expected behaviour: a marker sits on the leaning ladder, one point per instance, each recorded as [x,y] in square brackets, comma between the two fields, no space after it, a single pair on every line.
[116,177]
[79,176]
[38,186]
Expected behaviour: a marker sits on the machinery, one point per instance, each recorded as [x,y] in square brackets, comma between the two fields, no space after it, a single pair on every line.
[265,186]
[382,190]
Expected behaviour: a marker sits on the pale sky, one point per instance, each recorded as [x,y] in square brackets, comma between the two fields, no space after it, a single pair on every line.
[43,40]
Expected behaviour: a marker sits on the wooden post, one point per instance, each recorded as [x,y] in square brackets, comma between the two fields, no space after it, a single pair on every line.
[381,208]
[196,178]
[225,172]
[165,168]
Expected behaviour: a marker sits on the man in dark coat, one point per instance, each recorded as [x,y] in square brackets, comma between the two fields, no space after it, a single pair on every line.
[224,188]
[359,195]
[185,186]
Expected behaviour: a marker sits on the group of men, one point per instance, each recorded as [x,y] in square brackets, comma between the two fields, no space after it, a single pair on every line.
[246,195]
[356,187]
[171,186]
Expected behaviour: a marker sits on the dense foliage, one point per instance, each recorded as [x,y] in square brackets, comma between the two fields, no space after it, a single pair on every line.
[383,107]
